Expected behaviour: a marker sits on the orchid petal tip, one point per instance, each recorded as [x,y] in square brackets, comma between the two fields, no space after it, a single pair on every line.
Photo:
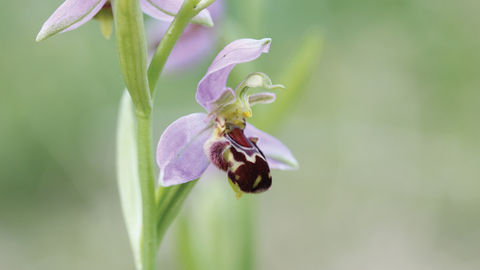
[204,18]
[40,37]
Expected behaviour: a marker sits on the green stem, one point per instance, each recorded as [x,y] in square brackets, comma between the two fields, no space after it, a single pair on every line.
[170,199]
[147,186]
[184,15]
[132,52]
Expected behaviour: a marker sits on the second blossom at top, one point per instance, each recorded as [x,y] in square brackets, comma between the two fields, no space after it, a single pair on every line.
[73,13]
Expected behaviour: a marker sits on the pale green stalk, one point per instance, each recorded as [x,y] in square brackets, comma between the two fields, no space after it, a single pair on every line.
[170,199]
[131,47]
[132,52]
[147,186]
[132,55]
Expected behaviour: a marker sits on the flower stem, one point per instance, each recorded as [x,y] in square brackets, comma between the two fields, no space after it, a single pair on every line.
[147,186]
[178,25]
[170,199]
[132,52]
[159,213]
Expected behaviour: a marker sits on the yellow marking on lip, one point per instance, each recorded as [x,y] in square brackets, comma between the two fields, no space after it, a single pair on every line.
[236,188]
[257,181]
[250,158]
[235,164]
[247,114]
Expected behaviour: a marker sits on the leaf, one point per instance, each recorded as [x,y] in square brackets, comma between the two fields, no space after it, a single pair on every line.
[127,175]
[169,202]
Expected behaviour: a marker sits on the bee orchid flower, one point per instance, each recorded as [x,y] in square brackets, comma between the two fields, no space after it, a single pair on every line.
[222,136]
[73,13]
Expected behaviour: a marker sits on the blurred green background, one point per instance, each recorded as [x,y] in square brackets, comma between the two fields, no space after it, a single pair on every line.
[387,136]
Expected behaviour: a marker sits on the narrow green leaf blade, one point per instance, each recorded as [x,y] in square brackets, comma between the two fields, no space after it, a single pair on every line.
[169,203]
[127,175]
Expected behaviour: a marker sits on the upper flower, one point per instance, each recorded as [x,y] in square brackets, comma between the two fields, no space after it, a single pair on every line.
[73,13]
[196,44]
[222,136]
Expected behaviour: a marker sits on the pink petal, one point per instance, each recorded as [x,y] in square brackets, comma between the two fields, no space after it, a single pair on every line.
[195,45]
[180,153]
[213,84]
[277,154]
[154,8]
[70,15]
[165,10]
